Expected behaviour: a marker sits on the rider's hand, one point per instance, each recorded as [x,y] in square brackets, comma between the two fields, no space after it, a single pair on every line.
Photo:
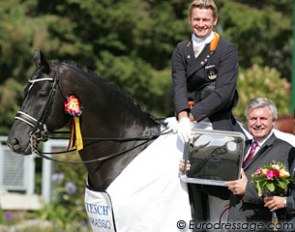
[172,124]
[184,129]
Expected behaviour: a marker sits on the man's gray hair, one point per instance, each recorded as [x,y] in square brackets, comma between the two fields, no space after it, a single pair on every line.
[260,103]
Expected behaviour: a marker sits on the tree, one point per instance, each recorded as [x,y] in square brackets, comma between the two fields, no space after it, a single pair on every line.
[131,42]
[261,30]
[263,82]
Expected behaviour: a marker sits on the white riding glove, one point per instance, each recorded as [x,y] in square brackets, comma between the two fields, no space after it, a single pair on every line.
[172,124]
[184,129]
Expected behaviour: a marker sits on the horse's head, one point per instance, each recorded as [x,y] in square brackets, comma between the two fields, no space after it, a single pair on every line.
[37,116]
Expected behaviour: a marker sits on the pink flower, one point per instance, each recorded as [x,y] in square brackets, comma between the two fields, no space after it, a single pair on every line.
[269,174]
[258,170]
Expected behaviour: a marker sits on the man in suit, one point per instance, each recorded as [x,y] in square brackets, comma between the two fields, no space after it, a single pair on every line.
[204,72]
[245,204]
[288,202]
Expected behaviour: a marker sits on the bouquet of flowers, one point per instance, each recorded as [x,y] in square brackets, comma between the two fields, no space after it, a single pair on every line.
[272,179]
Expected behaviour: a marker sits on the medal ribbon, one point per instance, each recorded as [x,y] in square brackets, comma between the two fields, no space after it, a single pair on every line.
[73,107]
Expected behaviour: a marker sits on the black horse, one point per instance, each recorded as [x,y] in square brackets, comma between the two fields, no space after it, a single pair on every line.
[108,116]
[114,129]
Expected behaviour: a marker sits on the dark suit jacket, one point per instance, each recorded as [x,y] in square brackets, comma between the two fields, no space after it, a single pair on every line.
[209,80]
[290,212]
[250,207]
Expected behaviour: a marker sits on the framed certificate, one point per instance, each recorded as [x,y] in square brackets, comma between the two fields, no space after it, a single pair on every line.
[214,156]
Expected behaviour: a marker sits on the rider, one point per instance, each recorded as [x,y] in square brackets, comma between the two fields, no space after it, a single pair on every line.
[205,71]
[204,74]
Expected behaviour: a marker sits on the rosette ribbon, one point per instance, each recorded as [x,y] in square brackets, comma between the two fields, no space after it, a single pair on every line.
[73,107]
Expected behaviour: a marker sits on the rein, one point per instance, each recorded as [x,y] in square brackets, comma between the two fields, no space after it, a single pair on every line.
[106,157]
[100,159]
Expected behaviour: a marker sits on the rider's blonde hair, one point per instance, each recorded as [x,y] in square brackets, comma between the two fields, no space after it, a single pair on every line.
[204,4]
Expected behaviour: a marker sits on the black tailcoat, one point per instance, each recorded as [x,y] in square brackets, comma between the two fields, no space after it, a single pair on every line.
[209,80]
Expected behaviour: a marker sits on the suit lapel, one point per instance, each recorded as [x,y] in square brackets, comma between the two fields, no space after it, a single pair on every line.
[261,150]
[189,55]
[292,168]
[195,64]
[247,147]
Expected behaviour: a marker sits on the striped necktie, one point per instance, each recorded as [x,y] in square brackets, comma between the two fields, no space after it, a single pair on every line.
[253,148]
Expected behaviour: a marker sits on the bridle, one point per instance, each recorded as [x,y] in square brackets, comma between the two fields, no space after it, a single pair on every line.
[40,132]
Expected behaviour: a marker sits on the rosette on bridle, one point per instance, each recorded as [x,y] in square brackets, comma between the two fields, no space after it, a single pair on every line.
[73,107]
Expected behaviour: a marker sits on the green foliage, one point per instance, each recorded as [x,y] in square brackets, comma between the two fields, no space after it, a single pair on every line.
[261,30]
[263,82]
[138,79]
[15,40]
[66,210]
[1,217]
[10,99]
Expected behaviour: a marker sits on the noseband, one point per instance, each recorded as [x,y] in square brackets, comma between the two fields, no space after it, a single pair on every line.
[39,131]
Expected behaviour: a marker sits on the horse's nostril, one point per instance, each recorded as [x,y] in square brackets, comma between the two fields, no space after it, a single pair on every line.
[16,147]
[13,144]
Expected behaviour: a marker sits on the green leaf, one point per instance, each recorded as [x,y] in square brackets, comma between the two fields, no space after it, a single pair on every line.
[259,190]
[270,186]
[283,184]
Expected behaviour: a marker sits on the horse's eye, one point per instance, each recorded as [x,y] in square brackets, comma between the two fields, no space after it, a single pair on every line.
[43,94]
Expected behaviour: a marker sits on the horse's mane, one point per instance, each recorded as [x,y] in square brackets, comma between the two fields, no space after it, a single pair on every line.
[106,83]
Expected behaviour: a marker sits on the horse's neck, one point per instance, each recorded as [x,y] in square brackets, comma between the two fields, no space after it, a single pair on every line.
[103,173]
[117,122]
[111,115]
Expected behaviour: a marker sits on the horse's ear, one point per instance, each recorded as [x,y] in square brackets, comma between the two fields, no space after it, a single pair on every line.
[41,61]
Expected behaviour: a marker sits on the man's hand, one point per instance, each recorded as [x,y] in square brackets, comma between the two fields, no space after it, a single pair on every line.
[181,167]
[274,202]
[238,187]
